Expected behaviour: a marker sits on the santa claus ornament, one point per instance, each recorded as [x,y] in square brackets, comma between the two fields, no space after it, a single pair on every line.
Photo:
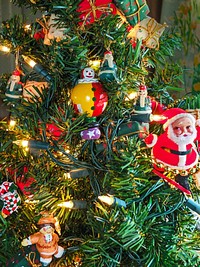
[175,151]
[108,68]
[10,197]
[46,240]
[89,97]
[143,102]
[14,87]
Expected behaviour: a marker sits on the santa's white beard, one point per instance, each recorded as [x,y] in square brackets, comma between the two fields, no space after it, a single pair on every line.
[182,139]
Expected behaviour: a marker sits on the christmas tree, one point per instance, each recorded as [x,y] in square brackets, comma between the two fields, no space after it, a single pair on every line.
[91,94]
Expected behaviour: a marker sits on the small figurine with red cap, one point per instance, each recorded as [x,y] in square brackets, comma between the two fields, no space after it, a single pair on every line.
[108,68]
[143,101]
[175,148]
[14,87]
[46,240]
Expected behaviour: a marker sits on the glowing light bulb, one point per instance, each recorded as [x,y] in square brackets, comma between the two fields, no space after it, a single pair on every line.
[27,27]
[12,124]
[67,204]
[73,204]
[23,143]
[111,200]
[157,117]
[29,61]
[32,144]
[107,199]
[95,64]
[67,151]
[4,49]
[131,96]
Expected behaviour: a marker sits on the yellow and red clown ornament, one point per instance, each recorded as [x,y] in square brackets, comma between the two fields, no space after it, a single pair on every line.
[89,97]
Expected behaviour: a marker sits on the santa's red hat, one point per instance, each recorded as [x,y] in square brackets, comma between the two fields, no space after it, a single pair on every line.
[16,72]
[108,53]
[142,87]
[172,114]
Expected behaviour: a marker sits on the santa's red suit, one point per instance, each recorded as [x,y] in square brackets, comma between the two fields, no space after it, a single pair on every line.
[168,152]
[180,157]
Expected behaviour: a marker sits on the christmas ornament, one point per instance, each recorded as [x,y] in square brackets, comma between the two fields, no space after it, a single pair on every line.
[53,131]
[33,90]
[143,102]
[131,128]
[157,107]
[88,96]
[21,178]
[92,132]
[147,30]
[142,110]
[46,240]
[91,10]
[134,11]
[108,68]
[10,198]
[53,30]
[88,75]
[174,149]
[39,35]
[14,87]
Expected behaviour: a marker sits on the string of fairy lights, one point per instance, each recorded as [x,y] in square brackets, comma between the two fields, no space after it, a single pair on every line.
[108,199]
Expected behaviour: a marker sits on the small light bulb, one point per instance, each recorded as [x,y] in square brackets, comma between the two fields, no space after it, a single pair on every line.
[131,96]
[95,64]
[34,144]
[67,204]
[4,49]
[157,117]
[27,27]
[23,143]
[111,200]
[74,204]
[29,61]
[107,199]
[66,175]
[12,124]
